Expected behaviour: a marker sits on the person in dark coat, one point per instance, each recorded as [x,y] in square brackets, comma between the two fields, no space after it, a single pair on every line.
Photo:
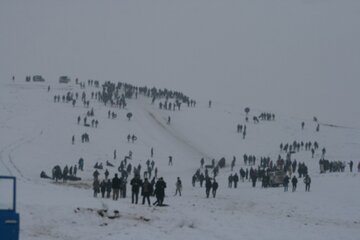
[215,186]
[193,180]
[65,173]
[96,174]
[254,179]
[96,186]
[208,186]
[178,186]
[116,187]
[294,183]
[81,164]
[56,173]
[160,191]
[307,181]
[286,183]
[135,183]
[351,165]
[146,191]
[103,188]
[108,188]
[230,180]
[201,179]
[235,180]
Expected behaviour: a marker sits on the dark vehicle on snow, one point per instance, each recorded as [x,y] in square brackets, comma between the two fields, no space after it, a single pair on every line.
[38,78]
[64,79]
[276,178]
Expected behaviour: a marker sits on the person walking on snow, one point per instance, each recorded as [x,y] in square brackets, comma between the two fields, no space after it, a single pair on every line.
[178,187]
[215,186]
[307,181]
[294,183]
[208,186]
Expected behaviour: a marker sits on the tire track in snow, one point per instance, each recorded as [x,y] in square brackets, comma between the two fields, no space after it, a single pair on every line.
[3,163]
[9,149]
[177,137]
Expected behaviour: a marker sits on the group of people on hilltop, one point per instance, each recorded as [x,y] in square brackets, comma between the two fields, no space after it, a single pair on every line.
[117,93]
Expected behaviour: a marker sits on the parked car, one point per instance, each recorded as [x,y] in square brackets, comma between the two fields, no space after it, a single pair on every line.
[64,79]
[38,78]
[276,178]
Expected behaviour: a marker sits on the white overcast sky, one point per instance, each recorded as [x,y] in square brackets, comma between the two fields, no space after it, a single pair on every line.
[297,56]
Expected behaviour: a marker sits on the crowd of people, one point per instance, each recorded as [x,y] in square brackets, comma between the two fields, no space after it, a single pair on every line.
[117,186]
[145,180]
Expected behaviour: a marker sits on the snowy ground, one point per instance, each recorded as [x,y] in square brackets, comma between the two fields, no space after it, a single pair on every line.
[294,58]
[38,136]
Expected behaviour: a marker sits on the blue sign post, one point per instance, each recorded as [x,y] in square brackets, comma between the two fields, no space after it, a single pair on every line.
[9,219]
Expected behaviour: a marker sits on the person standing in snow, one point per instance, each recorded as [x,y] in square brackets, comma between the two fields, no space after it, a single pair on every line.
[351,165]
[201,179]
[193,180]
[235,180]
[81,164]
[286,183]
[96,186]
[116,187]
[202,161]
[135,183]
[160,191]
[106,174]
[230,180]
[96,174]
[103,188]
[215,186]
[65,173]
[307,181]
[108,188]
[208,186]
[146,191]
[178,186]
[294,183]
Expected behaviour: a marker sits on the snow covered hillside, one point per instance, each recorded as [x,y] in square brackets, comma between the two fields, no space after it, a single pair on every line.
[37,135]
[297,59]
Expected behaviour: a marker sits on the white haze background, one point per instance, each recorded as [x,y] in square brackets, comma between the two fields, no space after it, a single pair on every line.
[297,56]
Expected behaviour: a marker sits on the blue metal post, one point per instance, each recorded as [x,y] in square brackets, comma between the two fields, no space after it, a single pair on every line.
[9,219]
